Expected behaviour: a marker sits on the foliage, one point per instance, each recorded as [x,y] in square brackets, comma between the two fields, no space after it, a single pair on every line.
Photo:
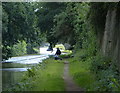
[70,23]
[104,68]
[19,48]
[19,22]
[103,72]
[79,24]
[107,74]
[46,13]
[31,48]
[63,25]
[97,16]
[89,46]
[6,52]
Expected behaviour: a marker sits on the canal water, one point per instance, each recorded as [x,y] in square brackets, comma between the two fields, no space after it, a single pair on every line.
[14,68]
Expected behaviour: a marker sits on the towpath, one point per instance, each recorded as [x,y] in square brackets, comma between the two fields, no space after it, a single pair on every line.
[70,85]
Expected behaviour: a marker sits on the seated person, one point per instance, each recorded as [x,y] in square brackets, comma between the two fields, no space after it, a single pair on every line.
[58,52]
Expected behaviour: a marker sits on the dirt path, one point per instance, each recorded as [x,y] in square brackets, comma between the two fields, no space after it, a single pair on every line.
[70,85]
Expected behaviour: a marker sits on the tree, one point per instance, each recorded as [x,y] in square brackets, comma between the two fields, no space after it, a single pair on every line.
[46,13]
[71,23]
[19,23]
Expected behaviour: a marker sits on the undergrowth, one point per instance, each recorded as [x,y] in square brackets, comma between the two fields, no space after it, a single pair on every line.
[107,74]
[90,69]
[94,73]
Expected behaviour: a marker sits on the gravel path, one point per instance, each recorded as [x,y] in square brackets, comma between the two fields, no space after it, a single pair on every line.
[70,85]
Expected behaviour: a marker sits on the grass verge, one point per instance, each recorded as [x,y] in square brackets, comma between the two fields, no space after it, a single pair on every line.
[81,74]
[50,79]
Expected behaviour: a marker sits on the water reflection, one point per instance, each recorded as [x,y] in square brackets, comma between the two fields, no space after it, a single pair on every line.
[9,78]
[27,59]
[12,73]
[13,69]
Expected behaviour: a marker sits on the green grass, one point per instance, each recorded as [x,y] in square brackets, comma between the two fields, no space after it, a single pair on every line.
[50,78]
[81,74]
[46,76]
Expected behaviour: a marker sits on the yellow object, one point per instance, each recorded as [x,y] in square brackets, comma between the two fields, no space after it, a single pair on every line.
[60,46]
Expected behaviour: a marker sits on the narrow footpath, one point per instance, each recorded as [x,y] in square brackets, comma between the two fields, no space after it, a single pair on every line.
[70,85]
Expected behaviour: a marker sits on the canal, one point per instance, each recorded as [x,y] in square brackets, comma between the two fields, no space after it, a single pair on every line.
[14,68]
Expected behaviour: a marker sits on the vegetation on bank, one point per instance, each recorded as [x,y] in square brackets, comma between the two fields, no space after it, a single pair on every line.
[94,72]
[46,76]
[22,48]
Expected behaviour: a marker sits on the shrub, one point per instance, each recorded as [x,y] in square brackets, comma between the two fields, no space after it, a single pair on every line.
[106,74]
[19,48]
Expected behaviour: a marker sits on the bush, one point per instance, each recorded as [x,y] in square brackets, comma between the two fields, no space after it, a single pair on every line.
[81,55]
[100,63]
[19,48]
[106,74]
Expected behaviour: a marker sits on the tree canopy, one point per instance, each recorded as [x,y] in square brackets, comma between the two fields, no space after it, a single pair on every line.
[19,23]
